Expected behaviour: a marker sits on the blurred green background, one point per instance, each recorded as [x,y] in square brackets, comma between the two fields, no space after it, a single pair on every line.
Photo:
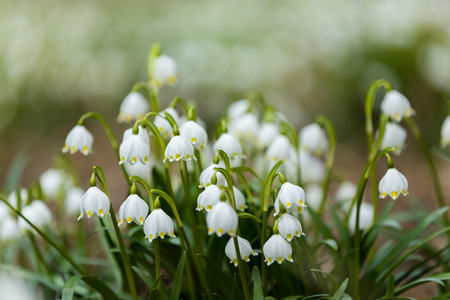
[61,59]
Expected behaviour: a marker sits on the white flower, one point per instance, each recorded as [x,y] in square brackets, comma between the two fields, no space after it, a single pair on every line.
[395,137]
[53,182]
[365,217]
[139,169]
[194,133]
[222,219]
[245,127]
[345,192]
[94,201]
[158,224]
[78,139]
[9,229]
[133,209]
[291,196]
[12,197]
[206,175]
[445,133]
[37,213]
[239,199]
[279,149]
[165,70]
[208,198]
[393,184]
[277,249]
[245,250]
[15,287]
[163,125]
[313,139]
[230,145]
[238,108]
[267,133]
[142,133]
[72,200]
[134,149]
[133,107]
[312,168]
[179,148]
[396,106]
[289,226]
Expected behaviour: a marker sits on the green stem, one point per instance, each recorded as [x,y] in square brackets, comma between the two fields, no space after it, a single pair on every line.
[188,200]
[109,134]
[39,257]
[123,252]
[241,269]
[47,239]
[197,266]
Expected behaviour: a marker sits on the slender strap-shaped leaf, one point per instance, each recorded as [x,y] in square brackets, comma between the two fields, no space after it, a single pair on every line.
[178,279]
[341,290]
[415,283]
[390,289]
[244,215]
[333,280]
[94,282]
[332,244]
[144,276]
[155,295]
[258,293]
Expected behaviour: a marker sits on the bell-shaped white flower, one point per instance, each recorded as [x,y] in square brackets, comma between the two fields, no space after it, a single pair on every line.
[313,139]
[133,209]
[194,133]
[94,201]
[239,199]
[230,145]
[222,219]
[134,149]
[279,149]
[314,194]
[12,197]
[164,70]
[163,125]
[37,213]
[312,169]
[139,169]
[245,127]
[396,106]
[365,217]
[277,249]
[206,175]
[53,182]
[445,133]
[9,229]
[78,139]
[209,197]
[179,148]
[266,134]
[72,200]
[158,224]
[133,107]
[245,250]
[143,133]
[393,184]
[291,196]
[289,226]
[394,136]
[238,108]
[345,192]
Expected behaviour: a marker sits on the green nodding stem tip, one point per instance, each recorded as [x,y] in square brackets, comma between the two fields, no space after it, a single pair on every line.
[156,203]
[92,181]
[133,188]
[390,162]
[214,178]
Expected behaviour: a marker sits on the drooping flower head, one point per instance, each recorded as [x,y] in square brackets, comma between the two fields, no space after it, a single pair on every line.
[207,174]
[280,149]
[96,202]
[165,70]
[312,168]
[266,134]
[194,133]
[445,133]
[78,139]
[365,217]
[133,209]
[133,107]
[289,226]
[277,249]
[345,192]
[393,184]
[239,199]
[394,136]
[291,196]
[134,149]
[245,127]
[238,108]
[37,212]
[163,125]
[209,197]
[72,201]
[396,106]
[313,139]
[179,148]
[158,224]
[230,145]
[222,219]
[245,250]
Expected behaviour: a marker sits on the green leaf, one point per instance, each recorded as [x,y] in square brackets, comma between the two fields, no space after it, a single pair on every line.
[94,282]
[155,295]
[330,243]
[341,290]
[144,276]
[318,296]
[333,280]
[258,293]
[442,276]
[244,215]
[390,286]
[295,297]
[415,283]
[178,279]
